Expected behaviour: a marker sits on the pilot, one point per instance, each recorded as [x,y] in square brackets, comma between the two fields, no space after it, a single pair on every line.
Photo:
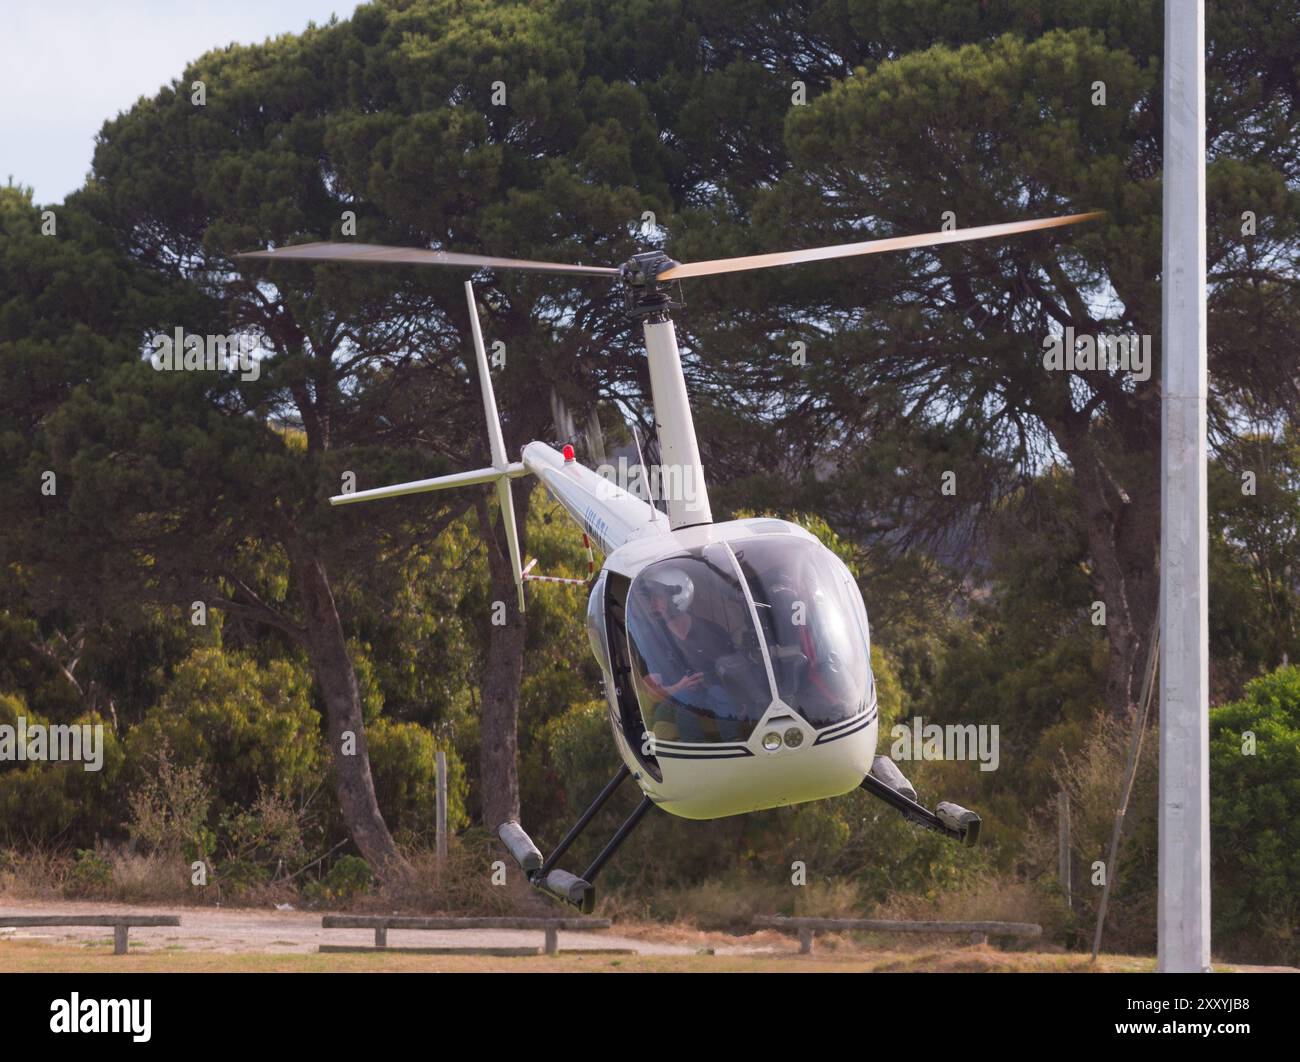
[693,705]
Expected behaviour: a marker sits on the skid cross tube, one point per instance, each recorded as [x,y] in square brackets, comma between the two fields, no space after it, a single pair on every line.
[583,822]
[614,842]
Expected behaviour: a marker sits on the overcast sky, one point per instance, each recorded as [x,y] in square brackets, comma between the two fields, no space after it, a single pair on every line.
[66,66]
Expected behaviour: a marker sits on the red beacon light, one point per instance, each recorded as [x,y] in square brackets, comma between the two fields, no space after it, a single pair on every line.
[568,453]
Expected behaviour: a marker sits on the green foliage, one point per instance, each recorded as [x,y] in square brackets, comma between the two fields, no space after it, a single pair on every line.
[268,836]
[347,879]
[250,726]
[1254,807]
[403,758]
[1254,552]
[51,802]
[91,874]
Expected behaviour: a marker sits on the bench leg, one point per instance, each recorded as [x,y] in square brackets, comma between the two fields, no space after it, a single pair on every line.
[381,936]
[119,940]
[552,940]
[979,938]
[805,941]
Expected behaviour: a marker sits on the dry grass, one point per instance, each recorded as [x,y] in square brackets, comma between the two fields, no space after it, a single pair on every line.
[985,899]
[462,887]
[35,874]
[131,878]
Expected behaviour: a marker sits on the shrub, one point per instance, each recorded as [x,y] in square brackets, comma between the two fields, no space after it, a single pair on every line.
[1254,809]
[169,811]
[347,879]
[255,720]
[91,875]
[403,761]
[57,802]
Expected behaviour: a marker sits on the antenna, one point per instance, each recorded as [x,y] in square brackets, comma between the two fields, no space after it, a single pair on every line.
[640,458]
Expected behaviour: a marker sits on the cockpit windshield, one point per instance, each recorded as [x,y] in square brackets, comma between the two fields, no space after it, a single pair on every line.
[699,672]
[813,625]
[703,672]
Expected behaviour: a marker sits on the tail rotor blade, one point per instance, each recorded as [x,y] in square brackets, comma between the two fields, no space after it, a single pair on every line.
[848,250]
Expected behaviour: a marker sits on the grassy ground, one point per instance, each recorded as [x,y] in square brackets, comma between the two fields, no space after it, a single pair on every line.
[33,957]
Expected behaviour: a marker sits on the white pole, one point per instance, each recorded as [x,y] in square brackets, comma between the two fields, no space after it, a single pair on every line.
[1184,862]
[681,472]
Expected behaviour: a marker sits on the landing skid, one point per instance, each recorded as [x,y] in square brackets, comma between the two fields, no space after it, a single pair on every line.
[560,884]
[951,820]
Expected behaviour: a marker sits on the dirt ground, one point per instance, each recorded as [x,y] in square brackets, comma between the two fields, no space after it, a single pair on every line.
[233,939]
[251,931]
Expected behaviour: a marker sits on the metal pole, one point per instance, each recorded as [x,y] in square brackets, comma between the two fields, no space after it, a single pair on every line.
[441,838]
[1183,917]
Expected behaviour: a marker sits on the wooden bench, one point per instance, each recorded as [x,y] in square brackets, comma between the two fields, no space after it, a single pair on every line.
[978,932]
[120,924]
[381,924]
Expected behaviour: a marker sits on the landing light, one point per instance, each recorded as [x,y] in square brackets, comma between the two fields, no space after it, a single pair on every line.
[771,741]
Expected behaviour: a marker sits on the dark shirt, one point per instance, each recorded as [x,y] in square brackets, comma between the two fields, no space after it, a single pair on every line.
[700,650]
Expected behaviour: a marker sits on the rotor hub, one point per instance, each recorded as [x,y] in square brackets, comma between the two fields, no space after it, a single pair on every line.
[644,295]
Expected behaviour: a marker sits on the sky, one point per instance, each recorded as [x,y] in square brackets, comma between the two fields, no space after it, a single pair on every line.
[67,66]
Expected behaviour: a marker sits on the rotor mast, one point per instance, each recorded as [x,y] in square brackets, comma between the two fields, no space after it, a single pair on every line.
[681,473]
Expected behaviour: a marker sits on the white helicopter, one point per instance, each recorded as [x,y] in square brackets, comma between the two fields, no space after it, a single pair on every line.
[735,655]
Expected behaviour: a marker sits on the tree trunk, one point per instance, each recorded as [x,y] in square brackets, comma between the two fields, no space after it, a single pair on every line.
[1123,527]
[499,717]
[334,672]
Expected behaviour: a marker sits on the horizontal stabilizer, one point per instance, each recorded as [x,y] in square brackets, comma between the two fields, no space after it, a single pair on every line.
[419,486]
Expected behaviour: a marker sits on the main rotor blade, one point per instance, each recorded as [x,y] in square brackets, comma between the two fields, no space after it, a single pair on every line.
[378,253]
[847,250]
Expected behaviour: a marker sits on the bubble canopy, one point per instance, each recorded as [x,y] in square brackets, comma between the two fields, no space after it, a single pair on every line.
[718,633]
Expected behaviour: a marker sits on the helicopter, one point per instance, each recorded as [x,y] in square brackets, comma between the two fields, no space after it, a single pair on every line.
[735,654]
